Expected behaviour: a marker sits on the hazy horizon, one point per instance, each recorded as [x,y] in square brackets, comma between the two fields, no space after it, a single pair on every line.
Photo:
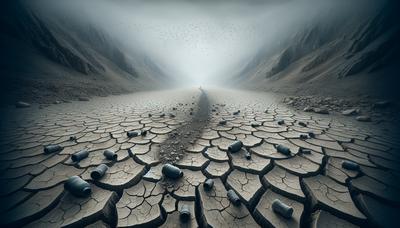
[198,42]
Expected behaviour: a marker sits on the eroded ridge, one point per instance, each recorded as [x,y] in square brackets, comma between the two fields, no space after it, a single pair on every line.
[133,192]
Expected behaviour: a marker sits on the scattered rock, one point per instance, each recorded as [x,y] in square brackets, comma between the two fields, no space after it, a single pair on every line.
[381,104]
[363,118]
[83,99]
[352,111]
[302,124]
[308,109]
[21,104]
[321,110]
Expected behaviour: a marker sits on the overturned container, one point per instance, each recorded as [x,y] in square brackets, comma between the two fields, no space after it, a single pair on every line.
[303,136]
[350,165]
[247,155]
[304,151]
[77,187]
[233,197]
[110,155]
[184,213]
[235,146]
[171,171]
[208,184]
[99,172]
[283,149]
[255,125]
[132,134]
[79,155]
[301,123]
[143,132]
[282,208]
[53,148]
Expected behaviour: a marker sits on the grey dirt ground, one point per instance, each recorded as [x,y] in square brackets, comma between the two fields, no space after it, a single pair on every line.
[183,128]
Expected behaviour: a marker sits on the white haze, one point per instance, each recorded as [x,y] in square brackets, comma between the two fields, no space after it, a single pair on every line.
[199,42]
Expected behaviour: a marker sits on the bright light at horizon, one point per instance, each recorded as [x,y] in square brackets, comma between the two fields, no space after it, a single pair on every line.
[197,42]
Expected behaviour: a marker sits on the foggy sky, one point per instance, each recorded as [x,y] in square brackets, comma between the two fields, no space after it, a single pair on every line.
[200,42]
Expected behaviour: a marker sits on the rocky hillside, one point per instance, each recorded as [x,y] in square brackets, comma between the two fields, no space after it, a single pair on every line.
[49,60]
[346,56]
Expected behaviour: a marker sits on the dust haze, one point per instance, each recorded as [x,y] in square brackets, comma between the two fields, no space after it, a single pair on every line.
[200,42]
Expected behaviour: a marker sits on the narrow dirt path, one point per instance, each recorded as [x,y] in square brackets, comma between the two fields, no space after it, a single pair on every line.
[173,149]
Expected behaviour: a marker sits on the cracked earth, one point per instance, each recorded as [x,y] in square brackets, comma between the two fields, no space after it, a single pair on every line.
[184,128]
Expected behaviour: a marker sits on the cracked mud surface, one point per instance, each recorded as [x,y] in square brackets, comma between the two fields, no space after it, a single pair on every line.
[183,127]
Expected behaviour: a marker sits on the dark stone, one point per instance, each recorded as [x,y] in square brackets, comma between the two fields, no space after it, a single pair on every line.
[302,124]
[303,136]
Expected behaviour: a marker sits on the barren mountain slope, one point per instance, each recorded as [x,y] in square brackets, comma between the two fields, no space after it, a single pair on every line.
[49,59]
[347,56]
